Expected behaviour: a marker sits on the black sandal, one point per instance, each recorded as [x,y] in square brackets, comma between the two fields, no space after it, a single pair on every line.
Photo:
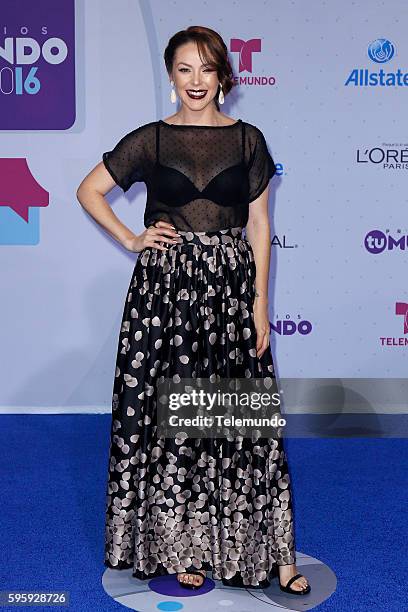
[187,585]
[288,589]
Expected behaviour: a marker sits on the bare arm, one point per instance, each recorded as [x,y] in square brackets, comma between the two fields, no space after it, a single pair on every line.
[259,235]
[91,195]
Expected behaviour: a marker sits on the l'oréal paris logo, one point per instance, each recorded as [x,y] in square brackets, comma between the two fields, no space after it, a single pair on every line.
[248,53]
[389,156]
[282,242]
[37,65]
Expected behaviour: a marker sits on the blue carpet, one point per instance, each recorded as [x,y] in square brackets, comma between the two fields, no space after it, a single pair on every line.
[349,496]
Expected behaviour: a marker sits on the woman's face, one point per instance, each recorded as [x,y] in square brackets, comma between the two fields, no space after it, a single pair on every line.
[196,83]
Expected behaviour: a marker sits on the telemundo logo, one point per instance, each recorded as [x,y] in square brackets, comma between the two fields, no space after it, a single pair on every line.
[379,51]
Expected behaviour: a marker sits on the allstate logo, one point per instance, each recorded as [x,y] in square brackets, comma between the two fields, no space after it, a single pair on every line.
[381,50]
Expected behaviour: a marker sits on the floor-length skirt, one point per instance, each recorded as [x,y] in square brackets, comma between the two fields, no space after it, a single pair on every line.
[223,506]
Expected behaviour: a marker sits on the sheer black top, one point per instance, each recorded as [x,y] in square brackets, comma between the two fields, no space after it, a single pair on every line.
[200,178]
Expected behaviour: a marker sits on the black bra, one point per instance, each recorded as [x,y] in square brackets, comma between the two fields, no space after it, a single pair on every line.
[228,188]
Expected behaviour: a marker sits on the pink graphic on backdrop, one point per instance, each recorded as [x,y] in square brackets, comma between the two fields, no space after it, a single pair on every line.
[18,188]
[245,48]
[401,308]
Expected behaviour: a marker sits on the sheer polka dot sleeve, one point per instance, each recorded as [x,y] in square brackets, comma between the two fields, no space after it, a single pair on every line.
[261,166]
[126,162]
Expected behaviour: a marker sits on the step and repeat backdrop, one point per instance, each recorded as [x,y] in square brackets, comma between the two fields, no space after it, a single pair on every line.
[327,84]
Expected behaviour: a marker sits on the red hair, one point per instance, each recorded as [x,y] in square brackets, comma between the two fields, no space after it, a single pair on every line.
[211,49]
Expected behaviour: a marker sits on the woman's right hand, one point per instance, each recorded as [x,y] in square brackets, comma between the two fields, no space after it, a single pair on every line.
[154,236]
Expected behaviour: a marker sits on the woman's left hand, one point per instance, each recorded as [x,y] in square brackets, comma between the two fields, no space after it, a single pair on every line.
[261,320]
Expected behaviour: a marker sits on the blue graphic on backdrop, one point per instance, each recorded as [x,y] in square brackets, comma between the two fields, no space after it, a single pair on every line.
[379,51]
[21,198]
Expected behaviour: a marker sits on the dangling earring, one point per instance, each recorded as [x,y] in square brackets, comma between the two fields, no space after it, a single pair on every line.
[221,96]
[173,96]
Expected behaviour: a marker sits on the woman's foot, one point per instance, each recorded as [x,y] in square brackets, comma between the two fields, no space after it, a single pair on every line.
[286,572]
[193,579]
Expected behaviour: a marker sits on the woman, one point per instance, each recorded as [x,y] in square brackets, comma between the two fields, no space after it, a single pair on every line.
[192,310]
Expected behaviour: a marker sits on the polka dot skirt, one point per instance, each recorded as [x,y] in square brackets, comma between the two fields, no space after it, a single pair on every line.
[172,504]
